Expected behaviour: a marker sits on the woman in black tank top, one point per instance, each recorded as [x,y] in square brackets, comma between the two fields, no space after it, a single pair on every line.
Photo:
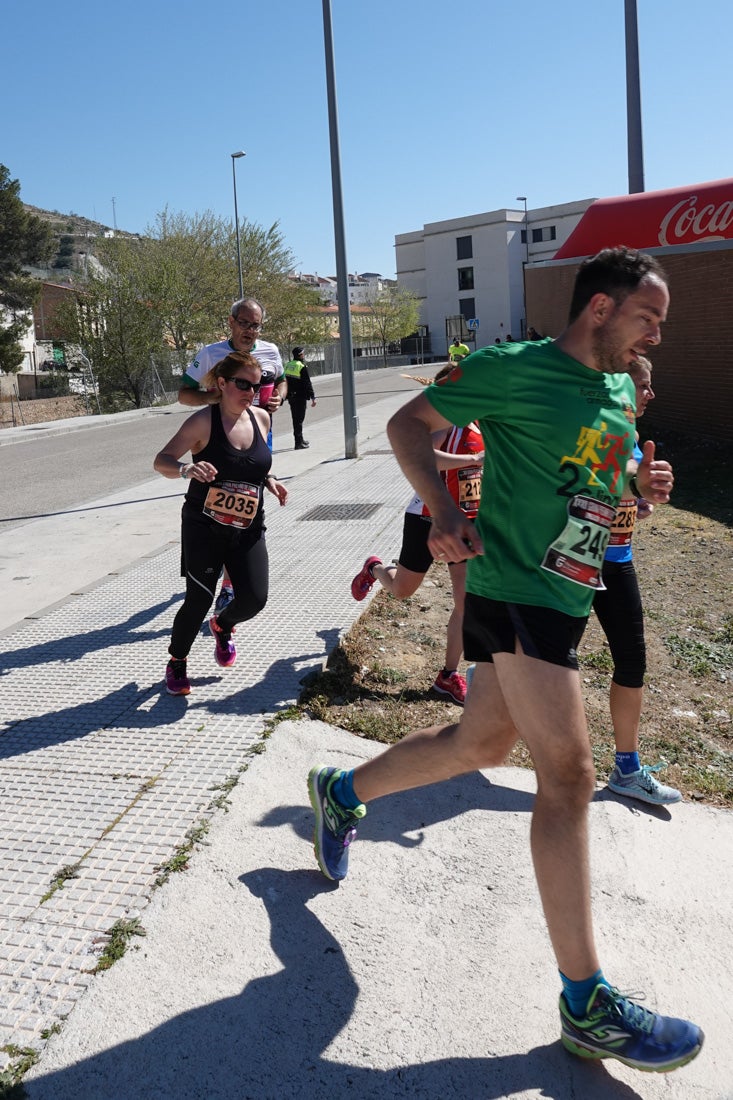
[222,521]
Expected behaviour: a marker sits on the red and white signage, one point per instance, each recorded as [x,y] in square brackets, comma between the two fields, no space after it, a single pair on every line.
[653,219]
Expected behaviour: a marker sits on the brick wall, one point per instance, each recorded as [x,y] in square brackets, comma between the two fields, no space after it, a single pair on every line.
[693,366]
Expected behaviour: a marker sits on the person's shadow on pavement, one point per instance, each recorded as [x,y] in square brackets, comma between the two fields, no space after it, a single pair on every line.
[411,812]
[267,1042]
[73,647]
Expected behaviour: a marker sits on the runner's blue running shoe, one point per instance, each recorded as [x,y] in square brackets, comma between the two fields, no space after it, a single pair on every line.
[615,1027]
[335,825]
[644,786]
[225,597]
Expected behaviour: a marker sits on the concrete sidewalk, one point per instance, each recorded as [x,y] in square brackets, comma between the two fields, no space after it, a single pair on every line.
[427,973]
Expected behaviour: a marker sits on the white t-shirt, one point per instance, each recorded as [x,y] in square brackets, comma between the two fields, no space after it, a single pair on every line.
[264,352]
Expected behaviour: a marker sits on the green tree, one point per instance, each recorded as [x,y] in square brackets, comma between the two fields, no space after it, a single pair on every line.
[115,325]
[293,315]
[24,239]
[186,268]
[389,315]
[164,294]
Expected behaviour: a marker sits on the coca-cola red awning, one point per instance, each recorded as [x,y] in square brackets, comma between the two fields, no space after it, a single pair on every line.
[702,212]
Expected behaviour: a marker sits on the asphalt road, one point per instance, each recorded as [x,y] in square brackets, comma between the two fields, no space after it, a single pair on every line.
[47,474]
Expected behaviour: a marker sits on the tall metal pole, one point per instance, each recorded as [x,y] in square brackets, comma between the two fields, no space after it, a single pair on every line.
[523,198]
[633,101]
[236,156]
[351,423]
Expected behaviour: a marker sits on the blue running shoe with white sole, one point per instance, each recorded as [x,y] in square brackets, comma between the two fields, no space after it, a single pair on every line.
[225,597]
[335,827]
[642,785]
[615,1027]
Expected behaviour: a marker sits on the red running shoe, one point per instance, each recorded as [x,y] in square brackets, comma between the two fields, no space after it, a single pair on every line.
[363,582]
[453,686]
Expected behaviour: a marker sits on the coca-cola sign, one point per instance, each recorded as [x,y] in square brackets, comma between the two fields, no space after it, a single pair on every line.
[689,220]
[652,219]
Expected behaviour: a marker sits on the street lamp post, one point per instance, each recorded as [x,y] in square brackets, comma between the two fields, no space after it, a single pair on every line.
[634,141]
[523,198]
[236,156]
[351,422]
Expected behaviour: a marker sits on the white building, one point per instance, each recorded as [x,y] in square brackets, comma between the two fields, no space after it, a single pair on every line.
[361,287]
[471,269]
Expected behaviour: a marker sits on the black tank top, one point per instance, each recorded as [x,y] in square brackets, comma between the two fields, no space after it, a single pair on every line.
[251,465]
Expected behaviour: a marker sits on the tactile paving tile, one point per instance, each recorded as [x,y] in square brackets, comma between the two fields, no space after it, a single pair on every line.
[100,767]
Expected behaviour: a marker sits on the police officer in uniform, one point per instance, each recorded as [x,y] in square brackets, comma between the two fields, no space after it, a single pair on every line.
[300,392]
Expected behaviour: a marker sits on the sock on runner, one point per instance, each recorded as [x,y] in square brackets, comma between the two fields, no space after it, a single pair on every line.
[577,994]
[627,762]
[343,790]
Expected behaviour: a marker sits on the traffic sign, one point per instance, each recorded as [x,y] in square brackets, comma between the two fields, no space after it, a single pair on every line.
[472,322]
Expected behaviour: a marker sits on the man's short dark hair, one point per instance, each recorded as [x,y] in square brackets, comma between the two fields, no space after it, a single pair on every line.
[616,272]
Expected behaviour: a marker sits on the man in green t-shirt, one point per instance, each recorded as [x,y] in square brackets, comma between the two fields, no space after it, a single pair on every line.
[458,351]
[557,419]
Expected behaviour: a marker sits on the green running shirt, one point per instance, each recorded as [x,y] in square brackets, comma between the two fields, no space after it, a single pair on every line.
[557,436]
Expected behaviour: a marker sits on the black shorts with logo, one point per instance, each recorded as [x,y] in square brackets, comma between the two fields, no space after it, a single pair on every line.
[493,626]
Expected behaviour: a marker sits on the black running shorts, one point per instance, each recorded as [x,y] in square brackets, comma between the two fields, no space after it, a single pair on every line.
[492,626]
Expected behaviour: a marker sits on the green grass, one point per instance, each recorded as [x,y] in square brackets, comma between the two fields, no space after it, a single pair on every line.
[120,935]
[702,659]
[180,858]
[21,1060]
[599,659]
[63,875]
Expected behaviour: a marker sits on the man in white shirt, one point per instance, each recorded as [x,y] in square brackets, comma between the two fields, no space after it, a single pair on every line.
[245,323]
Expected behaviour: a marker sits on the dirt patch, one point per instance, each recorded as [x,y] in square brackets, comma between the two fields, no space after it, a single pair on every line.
[16,413]
[378,682]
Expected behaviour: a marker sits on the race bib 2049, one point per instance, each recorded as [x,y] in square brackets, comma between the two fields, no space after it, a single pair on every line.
[577,553]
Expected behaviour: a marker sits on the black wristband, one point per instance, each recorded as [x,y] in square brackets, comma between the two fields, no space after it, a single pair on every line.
[634,487]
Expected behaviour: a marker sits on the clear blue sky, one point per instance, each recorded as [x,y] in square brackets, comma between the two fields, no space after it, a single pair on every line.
[445,109]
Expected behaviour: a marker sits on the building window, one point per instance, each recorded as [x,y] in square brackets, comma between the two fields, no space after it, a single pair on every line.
[524,236]
[545,234]
[465,278]
[467,306]
[464,248]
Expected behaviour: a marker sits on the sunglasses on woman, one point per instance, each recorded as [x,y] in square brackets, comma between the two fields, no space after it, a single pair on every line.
[245,385]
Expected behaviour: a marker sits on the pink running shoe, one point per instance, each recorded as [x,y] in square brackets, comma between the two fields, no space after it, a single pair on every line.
[363,582]
[453,686]
[176,680]
[225,650]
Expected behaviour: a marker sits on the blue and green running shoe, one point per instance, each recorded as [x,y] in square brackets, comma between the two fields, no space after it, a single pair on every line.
[335,824]
[615,1027]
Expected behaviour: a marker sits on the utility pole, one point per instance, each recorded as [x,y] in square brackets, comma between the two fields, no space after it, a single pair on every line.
[633,101]
[342,279]
[236,156]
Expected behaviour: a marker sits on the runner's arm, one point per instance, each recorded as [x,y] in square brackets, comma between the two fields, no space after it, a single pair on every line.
[192,436]
[410,433]
[194,397]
